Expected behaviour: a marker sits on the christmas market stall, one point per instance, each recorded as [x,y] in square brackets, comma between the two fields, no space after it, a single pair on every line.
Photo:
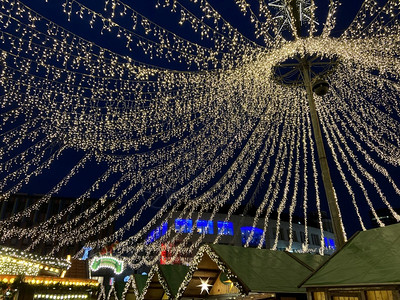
[366,268]
[225,272]
[28,276]
[164,281]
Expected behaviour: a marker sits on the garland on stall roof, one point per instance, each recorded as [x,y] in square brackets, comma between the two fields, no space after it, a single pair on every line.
[130,283]
[102,293]
[151,274]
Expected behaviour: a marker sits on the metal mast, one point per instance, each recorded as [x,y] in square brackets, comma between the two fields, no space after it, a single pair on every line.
[305,69]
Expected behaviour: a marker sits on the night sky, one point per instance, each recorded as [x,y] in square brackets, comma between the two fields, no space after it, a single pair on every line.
[53,10]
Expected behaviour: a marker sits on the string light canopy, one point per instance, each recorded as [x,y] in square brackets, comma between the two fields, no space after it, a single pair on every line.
[186,109]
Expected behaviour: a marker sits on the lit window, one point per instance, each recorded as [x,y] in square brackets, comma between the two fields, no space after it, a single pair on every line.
[204,226]
[255,233]
[183,225]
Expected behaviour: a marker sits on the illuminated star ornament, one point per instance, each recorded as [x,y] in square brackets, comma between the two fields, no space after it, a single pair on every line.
[204,285]
[284,16]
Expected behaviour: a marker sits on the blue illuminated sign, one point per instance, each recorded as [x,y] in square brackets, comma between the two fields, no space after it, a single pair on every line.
[157,233]
[225,228]
[204,226]
[256,233]
[183,225]
[329,243]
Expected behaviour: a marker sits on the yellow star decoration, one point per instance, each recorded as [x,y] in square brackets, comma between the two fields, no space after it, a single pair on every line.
[204,285]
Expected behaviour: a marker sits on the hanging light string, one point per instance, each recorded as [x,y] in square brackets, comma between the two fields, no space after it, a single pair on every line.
[218,37]
[273,186]
[289,177]
[272,152]
[55,219]
[216,202]
[170,215]
[379,168]
[388,150]
[388,12]
[331,20]
[272,181]
[190,52]
[338,164]
[368,8]
[261,28]
[91,225]
[365,173]
[172,131]
[37,205]
[69,39]
[358,181]
[40,166]
[32,232]
[149,26]
[20,158]
[213,15]
[296,183]
[37,162]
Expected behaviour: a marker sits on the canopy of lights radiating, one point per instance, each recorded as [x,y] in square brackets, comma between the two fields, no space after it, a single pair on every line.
[188,109]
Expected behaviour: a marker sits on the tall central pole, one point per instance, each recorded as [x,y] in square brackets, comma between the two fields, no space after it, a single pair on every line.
[323,162]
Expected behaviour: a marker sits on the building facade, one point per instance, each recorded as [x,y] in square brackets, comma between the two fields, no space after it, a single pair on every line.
[240,231]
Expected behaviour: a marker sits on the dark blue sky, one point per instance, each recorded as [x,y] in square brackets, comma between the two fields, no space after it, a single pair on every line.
[227,8]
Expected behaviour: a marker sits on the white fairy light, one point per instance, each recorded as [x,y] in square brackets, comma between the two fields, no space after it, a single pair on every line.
[207,115]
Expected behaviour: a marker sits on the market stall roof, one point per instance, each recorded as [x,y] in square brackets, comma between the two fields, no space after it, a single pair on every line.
[255,270]
[262,270]
[140,282]
[119,288]
[369,258]
[164,279]
[173,276]
[134,285]
[312,261]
